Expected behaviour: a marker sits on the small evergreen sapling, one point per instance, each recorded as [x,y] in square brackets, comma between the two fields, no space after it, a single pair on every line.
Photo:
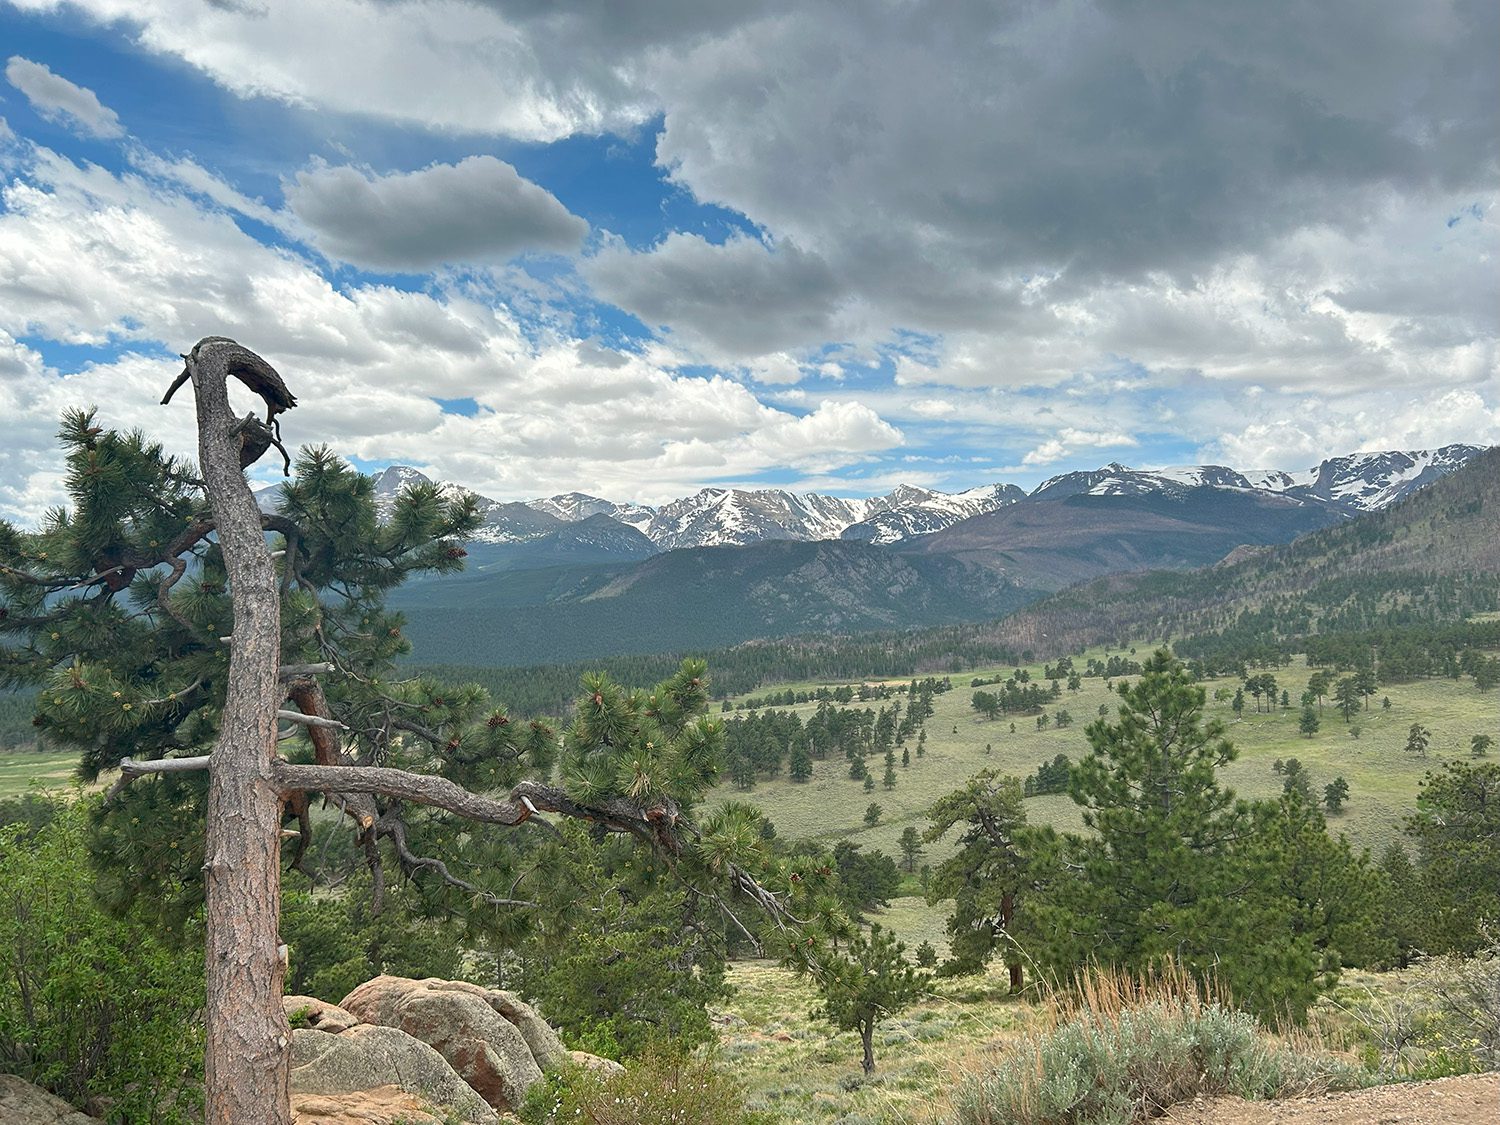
[873,982]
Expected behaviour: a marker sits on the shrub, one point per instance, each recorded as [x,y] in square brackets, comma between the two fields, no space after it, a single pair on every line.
[663,1085]
[1439,1018]
[1127,1050]
[94,1006]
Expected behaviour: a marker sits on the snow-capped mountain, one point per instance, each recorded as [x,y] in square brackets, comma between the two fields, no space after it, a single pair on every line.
[921,511]
[1358,482]
[502,522]
[1369,481]
[1116,479]
[574,507]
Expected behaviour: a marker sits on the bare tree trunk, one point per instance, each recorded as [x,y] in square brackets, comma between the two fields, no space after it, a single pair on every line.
[249,1040]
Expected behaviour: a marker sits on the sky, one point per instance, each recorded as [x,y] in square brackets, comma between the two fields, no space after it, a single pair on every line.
[537,246]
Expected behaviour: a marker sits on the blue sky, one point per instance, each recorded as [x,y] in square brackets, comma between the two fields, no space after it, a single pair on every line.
[640,249]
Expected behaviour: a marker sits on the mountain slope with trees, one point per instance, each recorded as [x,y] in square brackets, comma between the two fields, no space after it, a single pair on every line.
[1052,543]
[699,598]
[1434,555]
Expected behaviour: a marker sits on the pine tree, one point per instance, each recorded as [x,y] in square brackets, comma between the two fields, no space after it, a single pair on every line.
[911,847]
[117,609]
[799,765]
[1335,793]
[1309,722]
[873,982]
[889,780]
[991,874]
[1457,831]
[1418,739]
[1178,868]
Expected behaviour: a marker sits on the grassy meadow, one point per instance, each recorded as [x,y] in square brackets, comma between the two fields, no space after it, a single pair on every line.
[22,770]
[1383,778]
[800,1069]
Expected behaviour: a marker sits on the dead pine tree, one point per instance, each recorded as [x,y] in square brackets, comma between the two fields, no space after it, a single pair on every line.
[248,1037]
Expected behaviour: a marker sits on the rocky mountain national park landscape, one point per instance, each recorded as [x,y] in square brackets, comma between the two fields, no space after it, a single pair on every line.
[749,563]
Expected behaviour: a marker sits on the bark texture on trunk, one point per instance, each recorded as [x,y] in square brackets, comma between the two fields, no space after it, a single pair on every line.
[1012,962]
[249,1041]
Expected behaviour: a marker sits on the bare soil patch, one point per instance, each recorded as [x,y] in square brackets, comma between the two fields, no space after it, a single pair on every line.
[1472,1099]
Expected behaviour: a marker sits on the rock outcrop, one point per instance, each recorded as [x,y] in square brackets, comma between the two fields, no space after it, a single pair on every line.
[366,1057]
[309,1011]
[21,1103]
[384,1105]
[490,1038]
[605,1068]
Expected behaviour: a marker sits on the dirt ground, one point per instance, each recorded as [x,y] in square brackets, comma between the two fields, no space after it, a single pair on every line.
[1473,1099]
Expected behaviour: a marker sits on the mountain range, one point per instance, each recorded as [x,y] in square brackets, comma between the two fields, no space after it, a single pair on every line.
[715,517]
[597,586]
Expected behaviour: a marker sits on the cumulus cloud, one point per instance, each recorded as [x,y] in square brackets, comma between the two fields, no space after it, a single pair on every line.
[1070,441]
[57,99]
[1303,438]
[138,263]
[479,210]
[1167,220]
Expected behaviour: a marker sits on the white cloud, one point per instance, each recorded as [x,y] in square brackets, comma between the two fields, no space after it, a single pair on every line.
[196,178]
[441,64]
[476,211]
[1069,441]
[57,99]
[1302,438]
[90,257]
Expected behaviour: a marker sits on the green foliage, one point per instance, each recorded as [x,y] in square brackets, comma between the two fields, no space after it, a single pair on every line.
[991,875]
[872,815]
[95,1006]
[645,960]
[866,879]
[1335,793]
[335,944]
[664,1084]
[910,844]
[871,982]
[1123,1063]
[1051,777]
[645,745]
[1256,896]
[1440,1017]
[1418,739]
[1457,832]
[1309,723]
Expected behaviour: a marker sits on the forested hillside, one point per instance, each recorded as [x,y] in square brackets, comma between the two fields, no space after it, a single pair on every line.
[707,597]
[1048,544]
[1432,557]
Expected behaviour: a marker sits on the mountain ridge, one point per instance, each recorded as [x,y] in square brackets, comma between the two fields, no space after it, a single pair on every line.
[1355,482]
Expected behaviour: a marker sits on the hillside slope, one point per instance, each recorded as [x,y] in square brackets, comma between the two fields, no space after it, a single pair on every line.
[1050,543]
[695,599]
[1451,528]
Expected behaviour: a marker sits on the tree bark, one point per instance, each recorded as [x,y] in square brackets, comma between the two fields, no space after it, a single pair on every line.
[867,1038]
[248,1053]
